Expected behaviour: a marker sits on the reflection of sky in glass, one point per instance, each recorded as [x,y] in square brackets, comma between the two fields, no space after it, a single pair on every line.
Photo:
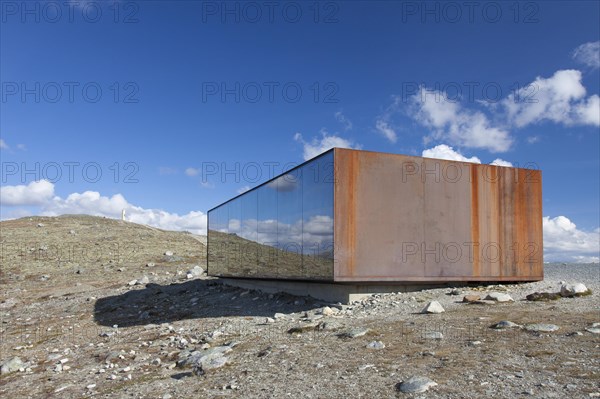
[293,212]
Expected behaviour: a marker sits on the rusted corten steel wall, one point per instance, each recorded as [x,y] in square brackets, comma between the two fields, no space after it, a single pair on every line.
[409,219]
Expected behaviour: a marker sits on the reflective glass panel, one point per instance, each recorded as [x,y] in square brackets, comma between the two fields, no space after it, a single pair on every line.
[317,231]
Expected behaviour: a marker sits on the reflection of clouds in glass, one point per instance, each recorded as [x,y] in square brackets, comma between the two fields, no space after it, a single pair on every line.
[285,183]
[234,225]
[319,225]
[317,236]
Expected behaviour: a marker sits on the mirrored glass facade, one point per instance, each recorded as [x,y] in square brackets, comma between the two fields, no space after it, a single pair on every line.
[281,229]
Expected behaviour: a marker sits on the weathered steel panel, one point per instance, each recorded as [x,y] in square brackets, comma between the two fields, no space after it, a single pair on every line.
[401,218]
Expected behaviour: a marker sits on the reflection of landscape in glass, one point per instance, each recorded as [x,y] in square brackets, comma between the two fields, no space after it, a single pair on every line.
[283,228]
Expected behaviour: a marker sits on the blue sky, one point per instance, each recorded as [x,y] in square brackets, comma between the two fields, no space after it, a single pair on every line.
[182,104]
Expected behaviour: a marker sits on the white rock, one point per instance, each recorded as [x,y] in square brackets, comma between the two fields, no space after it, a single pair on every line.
[572,289]
[196,271]
[433,307]
[499,297]
[132,282]
[168,253]
[11,365]
[326,311]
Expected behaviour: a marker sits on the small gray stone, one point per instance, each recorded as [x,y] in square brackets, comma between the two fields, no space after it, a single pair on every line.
[593,330]
[541,327]
[499,297]
[11,365]
[432,335]
[416,385]
[202,364]
[354,332]
[375,345]
[505,324]
[433,307]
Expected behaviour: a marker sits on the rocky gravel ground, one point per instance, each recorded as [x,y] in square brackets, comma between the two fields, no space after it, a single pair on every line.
[94,307]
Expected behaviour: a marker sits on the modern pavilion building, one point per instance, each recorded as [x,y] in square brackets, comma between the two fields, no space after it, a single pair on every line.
[350,216]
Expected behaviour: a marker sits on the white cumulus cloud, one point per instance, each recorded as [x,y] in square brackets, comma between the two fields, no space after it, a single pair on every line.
[3,145]
[449,121]
[93,203]
[34,193]
[319,145]
[559,99]
[501,162]
[564,242]
[444,151]
[588,54]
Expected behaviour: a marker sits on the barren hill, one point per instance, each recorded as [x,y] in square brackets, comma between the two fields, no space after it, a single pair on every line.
[94,307]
